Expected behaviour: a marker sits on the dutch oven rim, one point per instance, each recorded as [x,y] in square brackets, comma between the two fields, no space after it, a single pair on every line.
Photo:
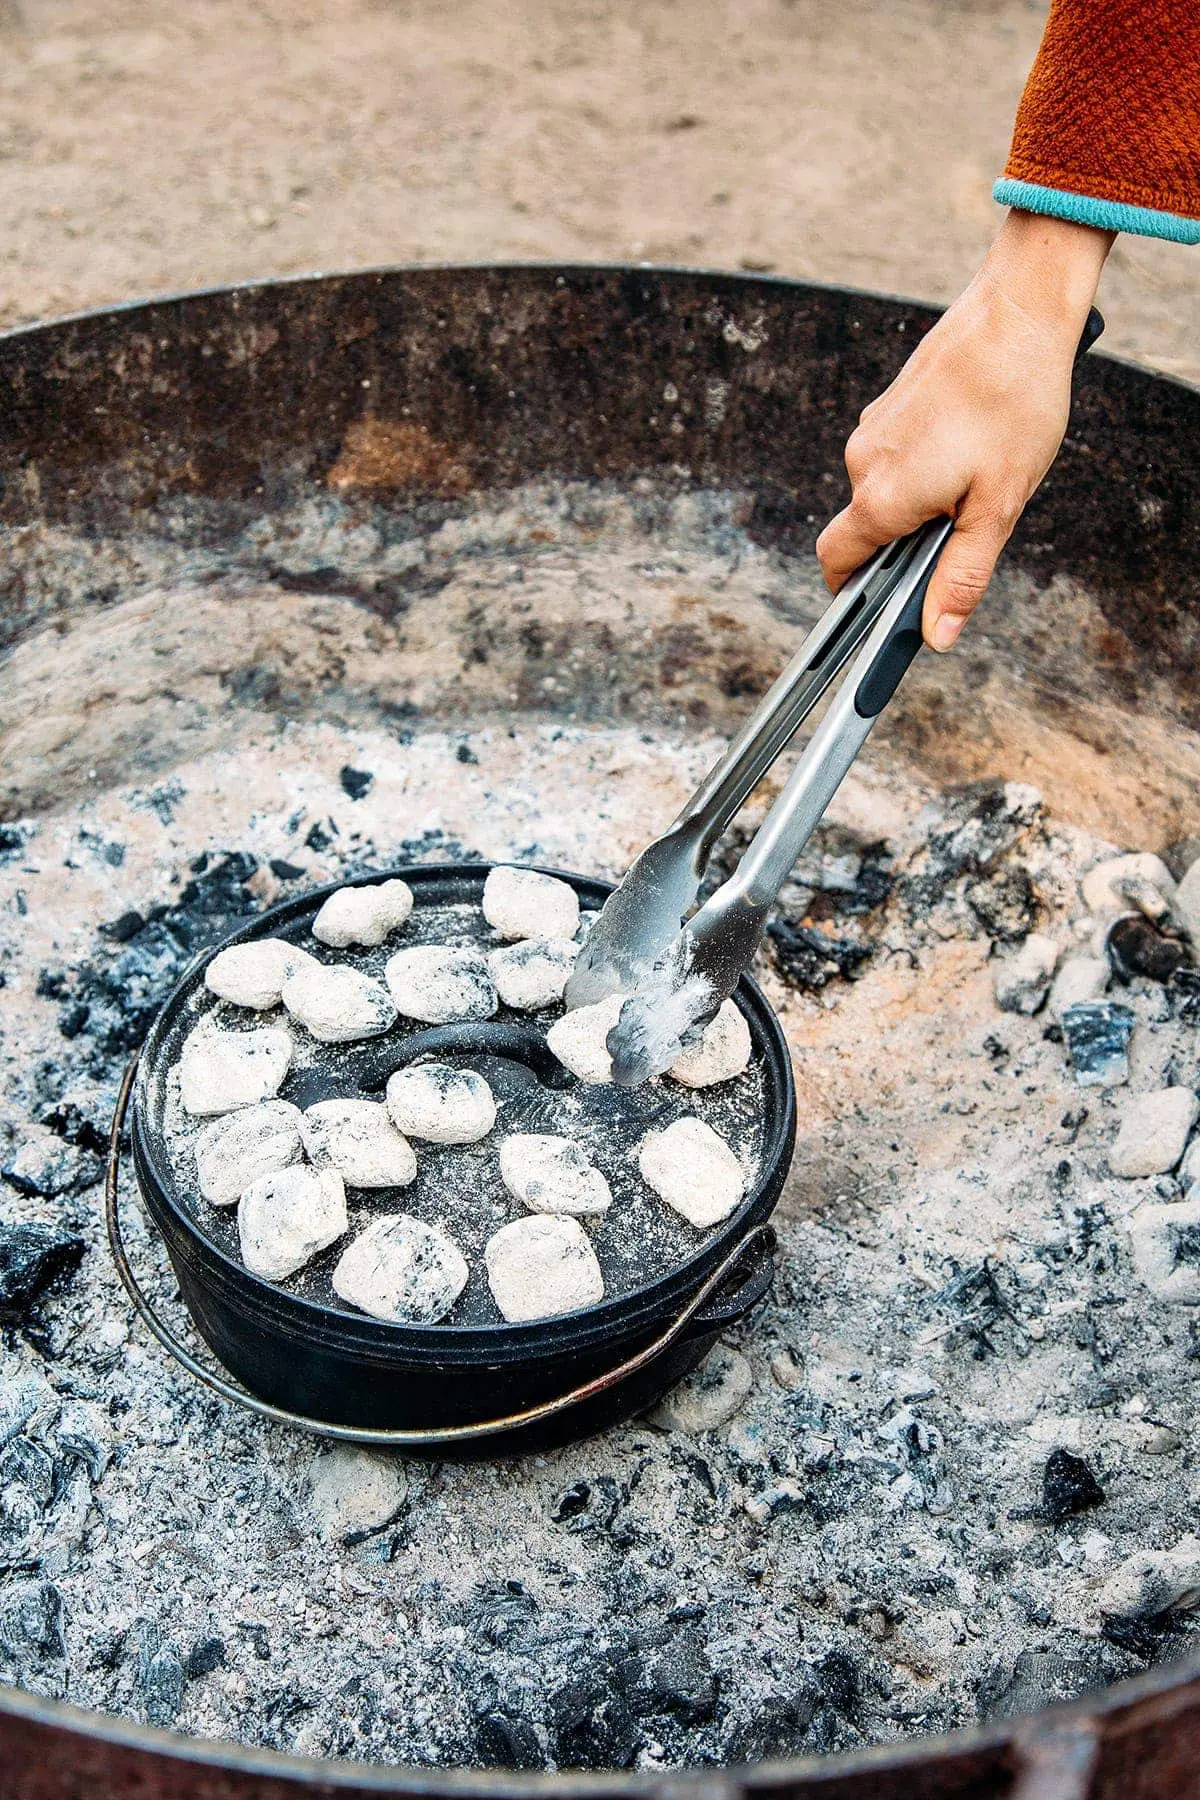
[615,1317]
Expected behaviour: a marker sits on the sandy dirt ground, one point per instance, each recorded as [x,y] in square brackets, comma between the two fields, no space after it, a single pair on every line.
[146,148]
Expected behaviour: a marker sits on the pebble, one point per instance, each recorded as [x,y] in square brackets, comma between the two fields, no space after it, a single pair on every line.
[350,1493]
[402,1269]
[722,1052]
[363,915]
[358,1139]
[787,1371]
[1140,877]
[33,1255]
[48,1167]
[1097,1034]
[221,1070]
[438,984]
[1165,1241]
[532,974]
[542,1266]
[1080,978]
[285,1219]
[552,1175]
[1021,981]
[1153,1582]
[253,974]
[1189,1168]
[1187,905]
[710,1395]
[693,1169]
[580,1040]
[239,1148]
[338,1005]
[441,1104]
[521,903]
[1154,1133]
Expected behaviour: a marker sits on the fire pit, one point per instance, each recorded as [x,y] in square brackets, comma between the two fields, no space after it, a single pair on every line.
[308,580]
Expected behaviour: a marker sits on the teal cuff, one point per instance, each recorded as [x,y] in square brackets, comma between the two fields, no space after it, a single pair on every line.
[1105,215]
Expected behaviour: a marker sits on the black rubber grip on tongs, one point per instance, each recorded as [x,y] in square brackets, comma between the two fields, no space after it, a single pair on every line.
[893,657]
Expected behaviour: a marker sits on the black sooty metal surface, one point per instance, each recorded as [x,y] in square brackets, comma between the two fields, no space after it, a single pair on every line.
[186,420]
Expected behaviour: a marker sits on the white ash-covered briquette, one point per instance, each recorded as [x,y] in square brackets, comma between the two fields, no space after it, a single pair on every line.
[363,915]
[439,984]
[222,1070]
[238,1147]
[722,1051]
[542,1266]
[287,1218]
[693,1170]
[521,903]
[533,973]
[253,974]
[338,1005]
[440,1104]
[402,1269]
[358,1139]
[552,1175]
[580,1040]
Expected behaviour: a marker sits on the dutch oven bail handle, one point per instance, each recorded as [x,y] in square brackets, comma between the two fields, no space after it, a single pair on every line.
[760,1239]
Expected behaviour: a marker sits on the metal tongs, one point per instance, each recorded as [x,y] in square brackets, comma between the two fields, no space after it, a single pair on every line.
[676,974]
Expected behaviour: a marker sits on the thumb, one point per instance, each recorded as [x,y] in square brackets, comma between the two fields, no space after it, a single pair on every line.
[963,572]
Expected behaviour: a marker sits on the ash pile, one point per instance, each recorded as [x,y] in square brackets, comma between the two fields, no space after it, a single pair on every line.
[947,1471]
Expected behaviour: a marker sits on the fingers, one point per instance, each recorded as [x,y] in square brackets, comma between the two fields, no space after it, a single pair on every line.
[964,570]
[873,518]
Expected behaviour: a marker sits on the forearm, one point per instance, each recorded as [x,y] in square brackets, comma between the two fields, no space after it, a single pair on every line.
[1047,270]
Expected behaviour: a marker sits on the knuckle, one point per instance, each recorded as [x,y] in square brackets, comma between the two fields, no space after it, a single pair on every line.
[962,589]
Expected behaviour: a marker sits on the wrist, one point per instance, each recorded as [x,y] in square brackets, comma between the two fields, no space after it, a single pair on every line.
[1049,269]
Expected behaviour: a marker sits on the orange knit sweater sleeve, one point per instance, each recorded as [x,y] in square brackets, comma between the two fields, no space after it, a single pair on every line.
[1108,130]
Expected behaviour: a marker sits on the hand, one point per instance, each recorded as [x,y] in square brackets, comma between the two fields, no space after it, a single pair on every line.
[975,417]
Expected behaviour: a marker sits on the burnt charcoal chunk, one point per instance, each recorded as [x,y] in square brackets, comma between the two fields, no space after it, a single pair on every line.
[1136,947]
[1006,906]
[507,1743]
[680,1683]
[1068,1487]
[1150,1640]
[593,1725]
[465,754]
[285,871]
[70,1123]
[11,840]
[259,1640]
[840,1682]
[123,929]
[780,1728]
[160,1673]
[571,1502]
[1098,1034]
[205,1655]
[1184,995]
[51,985]
[1040,1678]
[32,1257]
[321,836]
[31,1620]
[356,782]
[809,959]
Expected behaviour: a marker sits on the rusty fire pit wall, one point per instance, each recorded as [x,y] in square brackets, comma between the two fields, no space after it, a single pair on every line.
[183,422]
